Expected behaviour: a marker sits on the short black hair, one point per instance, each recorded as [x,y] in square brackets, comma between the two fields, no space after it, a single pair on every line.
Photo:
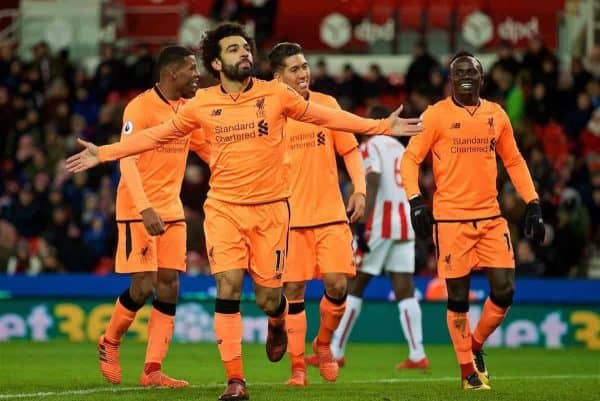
[379,111]
[172,55]
[462,54]
[209,45]
[282,51]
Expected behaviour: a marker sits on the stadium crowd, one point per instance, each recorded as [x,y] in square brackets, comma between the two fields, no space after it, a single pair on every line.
[52,221]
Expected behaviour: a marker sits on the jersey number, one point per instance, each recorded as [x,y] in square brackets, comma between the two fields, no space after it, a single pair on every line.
[397,175]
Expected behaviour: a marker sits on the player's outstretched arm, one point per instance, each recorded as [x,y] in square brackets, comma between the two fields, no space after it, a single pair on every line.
[146,139]
[404,126]
[345,121]
[85,159]
[296,107]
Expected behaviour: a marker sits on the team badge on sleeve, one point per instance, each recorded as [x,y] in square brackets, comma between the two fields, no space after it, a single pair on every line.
[128,127]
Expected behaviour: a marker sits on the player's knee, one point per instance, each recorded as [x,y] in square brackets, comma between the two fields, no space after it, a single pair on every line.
[268,301]
[294,290]
[229,286]
[336,287]
[142,288]
[167,287]
[503,297]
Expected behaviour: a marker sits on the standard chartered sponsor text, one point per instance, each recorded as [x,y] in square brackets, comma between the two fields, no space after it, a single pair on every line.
[235,132]
[303,141]
[175,146]
[469,145]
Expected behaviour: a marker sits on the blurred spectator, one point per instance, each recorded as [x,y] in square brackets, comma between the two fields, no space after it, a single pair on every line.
[321,80]
[537,107]
[95,235]
[110,73]
[515,99]
[8,242]
[590,138]
[142,69]
[577,119]
[23,261]
[592,61]
[350,91]
[527,262]
[580,76]
[535,56]
[506,58]
[25,213]
[571,235]
[421,66]
[376,84]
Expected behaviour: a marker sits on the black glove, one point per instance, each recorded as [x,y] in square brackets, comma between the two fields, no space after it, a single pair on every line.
[534,223]
[421,217]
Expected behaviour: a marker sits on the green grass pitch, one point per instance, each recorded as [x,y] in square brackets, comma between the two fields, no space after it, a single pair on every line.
[59,370]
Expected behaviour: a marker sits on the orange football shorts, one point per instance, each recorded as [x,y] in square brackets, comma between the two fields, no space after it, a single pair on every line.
[467,245]
[318,250]
[138,251]
[252,237]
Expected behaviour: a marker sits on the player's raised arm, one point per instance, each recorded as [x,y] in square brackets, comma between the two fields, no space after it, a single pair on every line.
[298,108]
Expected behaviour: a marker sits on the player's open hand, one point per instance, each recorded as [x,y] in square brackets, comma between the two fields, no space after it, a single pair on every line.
[356,207]
[404,126]
[152,221]
[85,159]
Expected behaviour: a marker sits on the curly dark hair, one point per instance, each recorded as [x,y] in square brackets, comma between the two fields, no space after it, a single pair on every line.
[209,45]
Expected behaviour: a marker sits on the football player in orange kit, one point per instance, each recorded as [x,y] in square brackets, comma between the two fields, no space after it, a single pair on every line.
[320,240]
[464,134]
[247,212]
[150,219]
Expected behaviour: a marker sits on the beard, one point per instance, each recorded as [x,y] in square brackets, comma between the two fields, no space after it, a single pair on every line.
[237,73]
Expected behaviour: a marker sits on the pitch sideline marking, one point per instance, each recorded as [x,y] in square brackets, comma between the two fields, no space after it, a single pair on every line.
[210,386]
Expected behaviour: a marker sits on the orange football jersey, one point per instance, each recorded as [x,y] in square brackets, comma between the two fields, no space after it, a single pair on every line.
[316,198]
[245,132]
[464,143]
[153,178]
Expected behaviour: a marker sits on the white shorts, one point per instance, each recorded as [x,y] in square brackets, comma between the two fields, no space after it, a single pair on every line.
[393,255]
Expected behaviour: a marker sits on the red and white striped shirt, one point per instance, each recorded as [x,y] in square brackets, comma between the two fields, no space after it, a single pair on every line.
[391,216]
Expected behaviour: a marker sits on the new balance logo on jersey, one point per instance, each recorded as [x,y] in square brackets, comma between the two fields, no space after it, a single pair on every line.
[320,138]
[216,112]
[263,128]
[455,126]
